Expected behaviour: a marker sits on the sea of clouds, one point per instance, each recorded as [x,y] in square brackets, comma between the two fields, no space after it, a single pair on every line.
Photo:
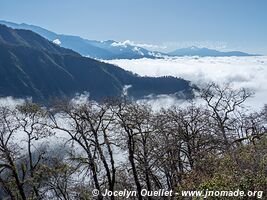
[249,72]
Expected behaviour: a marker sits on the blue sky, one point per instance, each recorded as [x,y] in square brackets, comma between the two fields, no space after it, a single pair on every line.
[220,24]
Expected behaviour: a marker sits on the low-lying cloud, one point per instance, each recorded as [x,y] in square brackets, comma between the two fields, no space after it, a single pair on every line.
[250,72]
[10,102]
[143,45]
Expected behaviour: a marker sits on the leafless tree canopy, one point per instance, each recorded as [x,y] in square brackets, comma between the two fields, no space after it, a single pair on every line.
[67,150]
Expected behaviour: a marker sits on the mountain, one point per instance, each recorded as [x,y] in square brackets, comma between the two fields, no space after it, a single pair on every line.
[95,49]
[32,66]
[110,49]
[195,51]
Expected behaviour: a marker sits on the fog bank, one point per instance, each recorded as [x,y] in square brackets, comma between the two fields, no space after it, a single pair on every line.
[250,72]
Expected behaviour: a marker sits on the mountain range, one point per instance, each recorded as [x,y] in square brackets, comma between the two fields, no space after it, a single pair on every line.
[32,66]
[196,51]
[110,49]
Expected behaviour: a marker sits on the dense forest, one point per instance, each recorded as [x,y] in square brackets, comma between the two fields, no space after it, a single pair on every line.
[68,149]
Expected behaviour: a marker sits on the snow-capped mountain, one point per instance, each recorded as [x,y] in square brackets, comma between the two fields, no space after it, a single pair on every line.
[91,48]
[110,49]
[32,66]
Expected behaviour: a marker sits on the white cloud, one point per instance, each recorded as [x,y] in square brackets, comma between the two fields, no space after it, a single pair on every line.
[248,72]
[138,50]
[132,43]
[80,99]
[125,89]
[162,101]
[57,41]
[11,102]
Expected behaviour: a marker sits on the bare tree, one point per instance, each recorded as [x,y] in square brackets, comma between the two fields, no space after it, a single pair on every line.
[224,102]
[32,121]
[129,118]
[10,177]
[88,127]
[121,144]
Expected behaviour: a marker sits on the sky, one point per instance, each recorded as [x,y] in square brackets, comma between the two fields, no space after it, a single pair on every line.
[170,24]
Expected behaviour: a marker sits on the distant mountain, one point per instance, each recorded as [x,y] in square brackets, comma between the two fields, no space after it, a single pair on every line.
[32,66]
[195,51]
[95,49]
[106,50]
